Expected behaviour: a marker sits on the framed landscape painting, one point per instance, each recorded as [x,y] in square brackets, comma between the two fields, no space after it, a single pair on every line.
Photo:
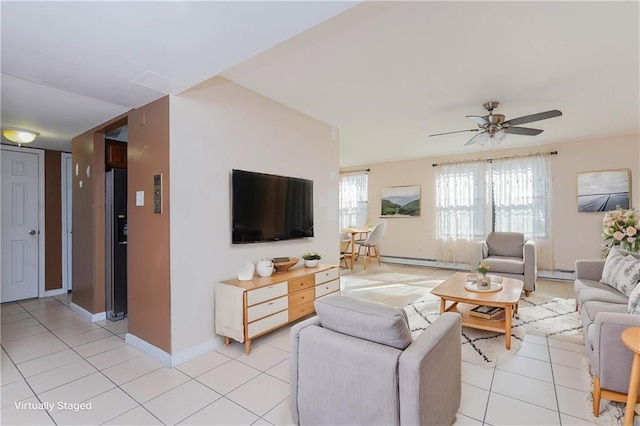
[604,190]
[401,201]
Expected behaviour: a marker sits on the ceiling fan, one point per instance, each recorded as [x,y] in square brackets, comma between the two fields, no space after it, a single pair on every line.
[493,127]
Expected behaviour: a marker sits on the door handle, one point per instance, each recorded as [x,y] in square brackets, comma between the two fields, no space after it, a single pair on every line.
[32,232]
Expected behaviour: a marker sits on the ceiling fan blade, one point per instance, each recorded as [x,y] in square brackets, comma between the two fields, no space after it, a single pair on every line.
[534,117]
[474,139]
[522,131]
[457,131]
[481,121]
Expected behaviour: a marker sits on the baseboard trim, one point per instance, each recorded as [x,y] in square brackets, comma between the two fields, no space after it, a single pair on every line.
[86,314]
[560,275]
[167,359]
[56,292]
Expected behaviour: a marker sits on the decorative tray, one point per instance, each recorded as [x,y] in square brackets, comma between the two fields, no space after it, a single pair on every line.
[473,286]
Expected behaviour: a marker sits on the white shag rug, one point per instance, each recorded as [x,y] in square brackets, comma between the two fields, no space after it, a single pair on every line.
[540,315]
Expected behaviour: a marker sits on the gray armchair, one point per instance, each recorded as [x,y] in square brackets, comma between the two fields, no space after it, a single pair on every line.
[355,363]
[510,256]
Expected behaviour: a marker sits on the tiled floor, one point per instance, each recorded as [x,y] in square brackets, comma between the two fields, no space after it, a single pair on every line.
[50,356]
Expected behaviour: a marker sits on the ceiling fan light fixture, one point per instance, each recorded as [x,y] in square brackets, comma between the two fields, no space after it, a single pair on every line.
[19,136]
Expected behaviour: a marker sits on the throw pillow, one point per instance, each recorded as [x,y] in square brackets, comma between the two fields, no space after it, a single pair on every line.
[627,274]
[634,301]
[610,266]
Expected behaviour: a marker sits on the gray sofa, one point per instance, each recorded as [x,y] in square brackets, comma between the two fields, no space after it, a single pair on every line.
[509,256]
[604,318]
[355,363]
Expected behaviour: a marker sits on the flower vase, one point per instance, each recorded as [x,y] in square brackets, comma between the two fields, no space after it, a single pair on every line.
[484,281]
[311,263]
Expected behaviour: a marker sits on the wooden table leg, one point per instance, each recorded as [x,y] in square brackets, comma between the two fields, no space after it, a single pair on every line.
[227,340]
[353,249]
[632,393]
[247,346]
[507,326]
[443,305]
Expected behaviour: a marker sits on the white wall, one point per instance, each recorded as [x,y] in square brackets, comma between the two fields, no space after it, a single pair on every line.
[216,127]
[576,235]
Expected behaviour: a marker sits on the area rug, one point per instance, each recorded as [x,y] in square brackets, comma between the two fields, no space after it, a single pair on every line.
[553,317]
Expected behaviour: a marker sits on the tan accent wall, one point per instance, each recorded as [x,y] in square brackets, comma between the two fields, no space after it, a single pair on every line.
[88,261]
[53,220]
[148,239]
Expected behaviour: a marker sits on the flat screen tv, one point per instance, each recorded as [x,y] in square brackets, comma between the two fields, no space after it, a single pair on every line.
[269,207]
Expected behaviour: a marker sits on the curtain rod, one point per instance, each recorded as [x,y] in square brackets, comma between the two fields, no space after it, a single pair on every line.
[354,171]
[477,160]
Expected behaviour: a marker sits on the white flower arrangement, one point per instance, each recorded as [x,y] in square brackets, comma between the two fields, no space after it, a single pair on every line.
[621,227]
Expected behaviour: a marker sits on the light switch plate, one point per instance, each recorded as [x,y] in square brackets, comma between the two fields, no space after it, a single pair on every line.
[139,198]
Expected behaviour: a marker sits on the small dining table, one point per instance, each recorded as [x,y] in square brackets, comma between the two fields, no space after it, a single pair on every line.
[353,232]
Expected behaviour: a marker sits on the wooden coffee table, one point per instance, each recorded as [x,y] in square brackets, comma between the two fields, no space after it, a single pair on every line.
[453,289]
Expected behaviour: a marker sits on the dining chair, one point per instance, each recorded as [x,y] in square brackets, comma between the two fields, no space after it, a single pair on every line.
[344,247]
[372,242]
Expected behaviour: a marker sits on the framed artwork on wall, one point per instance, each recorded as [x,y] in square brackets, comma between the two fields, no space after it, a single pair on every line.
[401,201]
[604,190]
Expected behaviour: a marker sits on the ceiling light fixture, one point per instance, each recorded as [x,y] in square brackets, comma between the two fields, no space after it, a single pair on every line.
[19,136]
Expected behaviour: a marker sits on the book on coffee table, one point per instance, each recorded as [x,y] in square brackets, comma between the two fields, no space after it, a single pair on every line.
[486,312]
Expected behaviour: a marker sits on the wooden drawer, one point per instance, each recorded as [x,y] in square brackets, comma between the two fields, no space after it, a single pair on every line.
[326,288]
[266,293]
[267,308]
[301,311]
[328,275]
[267,323]
[301,297]
[301,283]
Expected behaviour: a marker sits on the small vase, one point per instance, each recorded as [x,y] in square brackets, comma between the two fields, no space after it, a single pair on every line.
[311,263]
[483,281]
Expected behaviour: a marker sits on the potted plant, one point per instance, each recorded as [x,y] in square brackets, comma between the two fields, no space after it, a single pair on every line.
[482,269]
[311,259]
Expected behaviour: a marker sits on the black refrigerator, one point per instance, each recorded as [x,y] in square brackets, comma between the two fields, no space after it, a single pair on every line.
[116,244]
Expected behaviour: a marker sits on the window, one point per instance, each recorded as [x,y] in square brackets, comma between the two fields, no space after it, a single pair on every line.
[353,199]
[501,195]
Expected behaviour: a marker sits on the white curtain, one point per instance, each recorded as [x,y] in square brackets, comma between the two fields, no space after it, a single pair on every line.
[353,199]
[522,201]
[462,214]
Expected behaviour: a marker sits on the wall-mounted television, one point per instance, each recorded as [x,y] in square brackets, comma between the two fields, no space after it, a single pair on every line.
[268,207]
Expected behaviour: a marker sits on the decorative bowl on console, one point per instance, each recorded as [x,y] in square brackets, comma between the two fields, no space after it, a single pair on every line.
[285,265]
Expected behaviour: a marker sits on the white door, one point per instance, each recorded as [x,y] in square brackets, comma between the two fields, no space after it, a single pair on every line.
[66,220]
[20,225]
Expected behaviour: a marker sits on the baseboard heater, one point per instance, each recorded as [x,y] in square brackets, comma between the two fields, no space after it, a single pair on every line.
[557,274]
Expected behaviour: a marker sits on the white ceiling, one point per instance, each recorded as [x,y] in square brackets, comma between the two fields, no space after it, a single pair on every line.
[386,74]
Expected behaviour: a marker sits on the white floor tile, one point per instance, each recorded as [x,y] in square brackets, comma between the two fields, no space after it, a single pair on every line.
[136,417]
[32,347]
[525,389]
[280,415]
[477,376]
[88,337]
[117,327]
[9,317]
[569,377]
[263,357]
[535,338]
[563,344]
[104,407]
[232,350]
[8,371]
[20,333]
[12,415]
[132,369]
[65,322]
[75,329]
[203,363]
[181,402]
[535,351]
[254,397]
[507,411]
[574,403]
[474,402]
[574,421]
[223,413]
[111,357]
[528,367]
[228,376]
[48,362]
[15,392]
[565,357]
[59,376]
[11,308]
[99,346]
[12,326]
[281,371]
[77,391]
[155,383]
[462,420]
